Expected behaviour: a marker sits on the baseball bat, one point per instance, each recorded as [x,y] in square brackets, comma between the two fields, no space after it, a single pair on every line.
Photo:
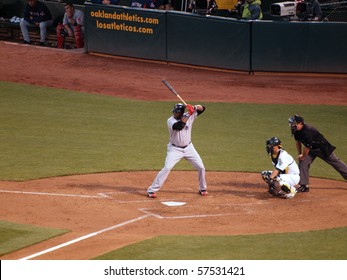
[170,87]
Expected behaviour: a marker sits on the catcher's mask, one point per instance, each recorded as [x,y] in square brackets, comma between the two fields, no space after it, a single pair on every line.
[293,122]
[271,143]
[179,108]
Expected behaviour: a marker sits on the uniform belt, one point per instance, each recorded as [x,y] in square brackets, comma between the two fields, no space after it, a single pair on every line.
[182,147]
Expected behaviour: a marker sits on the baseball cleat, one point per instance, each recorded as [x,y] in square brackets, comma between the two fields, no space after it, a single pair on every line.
[203,193]
[291,194]
[303,188]
[151,194]
[285,188]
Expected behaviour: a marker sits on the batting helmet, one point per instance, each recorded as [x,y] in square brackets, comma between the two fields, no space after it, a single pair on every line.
[271,143]
[178,108]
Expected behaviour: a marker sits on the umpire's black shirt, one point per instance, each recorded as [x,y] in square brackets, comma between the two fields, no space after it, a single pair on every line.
[311,138]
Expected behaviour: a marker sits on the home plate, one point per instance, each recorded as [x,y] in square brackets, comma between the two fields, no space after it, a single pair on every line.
[173,203]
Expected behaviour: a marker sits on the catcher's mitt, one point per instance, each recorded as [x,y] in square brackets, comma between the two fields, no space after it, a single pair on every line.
[266,176]
[273,183]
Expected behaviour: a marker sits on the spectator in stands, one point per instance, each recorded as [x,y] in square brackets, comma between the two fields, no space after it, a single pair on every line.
[212,7]
[252,10]
[146,4]
[315,11]
[162,4]
[177,5]
[198,6]
[157,4]
[36,14]
[72,26]
[106,2]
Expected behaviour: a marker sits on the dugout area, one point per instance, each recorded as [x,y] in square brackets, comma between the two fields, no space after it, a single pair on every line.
[10,29]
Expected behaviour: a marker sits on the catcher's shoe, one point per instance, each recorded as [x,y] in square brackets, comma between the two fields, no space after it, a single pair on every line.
[151,194]
[303,188]
[291,194]
[203,192]
[285,188]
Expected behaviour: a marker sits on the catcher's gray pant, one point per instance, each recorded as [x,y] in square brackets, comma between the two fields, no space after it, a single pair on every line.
[43,29]
[173,156]
[333,160]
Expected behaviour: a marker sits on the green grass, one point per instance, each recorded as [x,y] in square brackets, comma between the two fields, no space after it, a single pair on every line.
[17,236]
[328,244]
[48,132]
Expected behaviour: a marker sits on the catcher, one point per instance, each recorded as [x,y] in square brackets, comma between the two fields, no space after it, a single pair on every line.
[286,175]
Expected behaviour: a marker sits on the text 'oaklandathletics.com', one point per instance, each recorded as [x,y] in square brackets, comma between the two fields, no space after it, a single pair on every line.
[120,22]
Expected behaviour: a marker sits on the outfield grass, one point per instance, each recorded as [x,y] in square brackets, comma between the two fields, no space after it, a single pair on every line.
[17,236]
[49,132]
[328,244]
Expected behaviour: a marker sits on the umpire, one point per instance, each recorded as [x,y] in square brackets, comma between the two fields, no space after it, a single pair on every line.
[315,145]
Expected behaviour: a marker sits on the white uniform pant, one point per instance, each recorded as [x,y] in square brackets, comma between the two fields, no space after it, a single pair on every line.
[290,179]
[173,156]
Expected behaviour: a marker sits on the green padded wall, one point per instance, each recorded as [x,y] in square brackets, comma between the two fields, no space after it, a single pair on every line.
[299,47]
[208,41]
[327,50]
[280,46]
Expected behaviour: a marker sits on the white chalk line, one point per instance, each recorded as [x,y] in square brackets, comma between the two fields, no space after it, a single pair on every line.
[99,195]
[84,237]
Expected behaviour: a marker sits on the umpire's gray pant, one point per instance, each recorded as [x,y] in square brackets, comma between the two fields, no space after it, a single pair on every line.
[333,160]
[43,29]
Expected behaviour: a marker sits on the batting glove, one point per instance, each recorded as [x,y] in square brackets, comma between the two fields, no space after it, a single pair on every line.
[191,109]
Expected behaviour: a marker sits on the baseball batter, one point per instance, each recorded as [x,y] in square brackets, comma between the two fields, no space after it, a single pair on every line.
[180,146]
[286,174]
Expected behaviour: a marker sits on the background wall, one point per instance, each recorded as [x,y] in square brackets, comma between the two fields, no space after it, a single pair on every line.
[217,41]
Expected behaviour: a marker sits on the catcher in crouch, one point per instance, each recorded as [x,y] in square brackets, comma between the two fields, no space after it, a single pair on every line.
[286,173]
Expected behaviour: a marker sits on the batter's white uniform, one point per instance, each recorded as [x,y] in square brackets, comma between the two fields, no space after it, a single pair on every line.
[289,170]
[180,146]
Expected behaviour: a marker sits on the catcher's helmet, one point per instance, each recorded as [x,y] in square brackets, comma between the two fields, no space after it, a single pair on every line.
[293,122]
[178,108]
[271,143]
